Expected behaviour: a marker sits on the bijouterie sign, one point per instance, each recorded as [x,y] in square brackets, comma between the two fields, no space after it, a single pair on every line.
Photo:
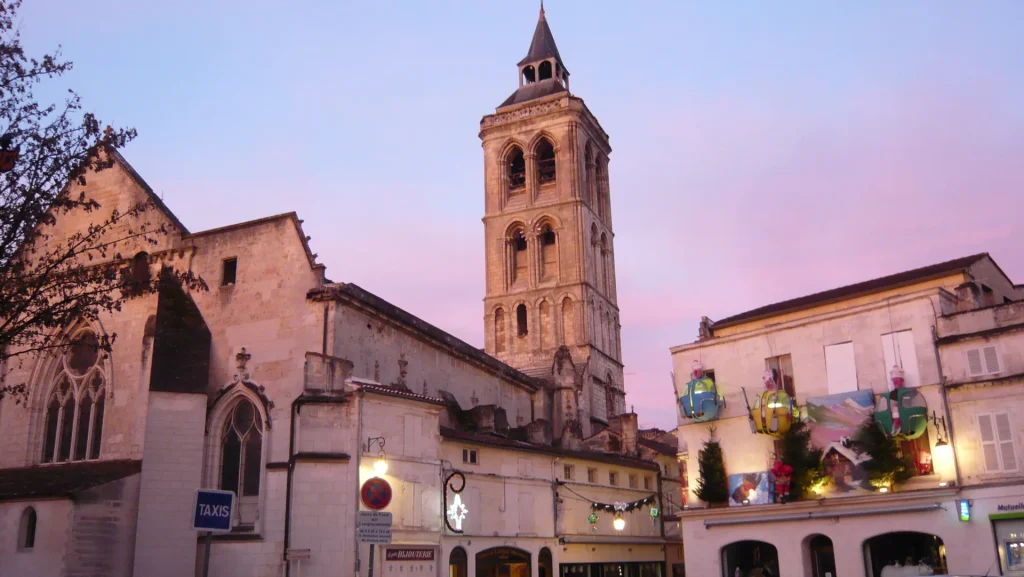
[409,555]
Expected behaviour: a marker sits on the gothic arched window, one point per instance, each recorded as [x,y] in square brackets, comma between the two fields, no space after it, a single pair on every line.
[549,253]
[588,164]
[606,260]
[568,322]
[74,409]
[545,162]
[520,261]
[242,450]
[27,529]
[515,165]
[544,70]
[600,198]
[499,331]
[546,325]
[521,328]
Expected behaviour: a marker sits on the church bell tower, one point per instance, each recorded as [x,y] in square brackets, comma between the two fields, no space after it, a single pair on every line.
[548,232]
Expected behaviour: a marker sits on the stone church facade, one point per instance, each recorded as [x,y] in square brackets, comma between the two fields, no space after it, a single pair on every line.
[285,388]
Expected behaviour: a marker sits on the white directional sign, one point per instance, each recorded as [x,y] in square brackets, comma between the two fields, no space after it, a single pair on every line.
[374,527]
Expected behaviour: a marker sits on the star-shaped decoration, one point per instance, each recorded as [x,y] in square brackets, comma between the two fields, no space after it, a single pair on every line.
[457,512]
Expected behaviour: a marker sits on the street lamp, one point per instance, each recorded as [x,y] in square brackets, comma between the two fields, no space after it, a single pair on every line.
[619,523]
[380,466]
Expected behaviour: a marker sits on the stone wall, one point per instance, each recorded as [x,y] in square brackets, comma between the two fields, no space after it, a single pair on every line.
[172,467]
[53,528]
[383,352]
[103,531]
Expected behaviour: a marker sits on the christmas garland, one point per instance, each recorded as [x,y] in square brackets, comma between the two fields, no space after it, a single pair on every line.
[621,506]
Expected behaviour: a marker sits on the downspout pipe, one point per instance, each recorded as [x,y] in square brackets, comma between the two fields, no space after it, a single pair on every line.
[945,405]
[293,411]
[661,506]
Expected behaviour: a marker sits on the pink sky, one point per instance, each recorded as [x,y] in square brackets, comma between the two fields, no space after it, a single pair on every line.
[761,151]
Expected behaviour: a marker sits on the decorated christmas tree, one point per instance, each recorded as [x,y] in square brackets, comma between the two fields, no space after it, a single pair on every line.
[712,486]
[887,466]
[796,451]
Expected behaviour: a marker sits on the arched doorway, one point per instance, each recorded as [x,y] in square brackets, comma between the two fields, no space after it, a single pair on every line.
[822,559]
[545,567]
[750,559]
[457,563]
[904,548]
[503,562]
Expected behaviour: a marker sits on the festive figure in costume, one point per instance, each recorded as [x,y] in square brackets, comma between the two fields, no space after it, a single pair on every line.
[700,400]
[896,376]
[783,473]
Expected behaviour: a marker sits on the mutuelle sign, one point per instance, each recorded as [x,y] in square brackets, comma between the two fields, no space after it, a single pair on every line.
[1010,508]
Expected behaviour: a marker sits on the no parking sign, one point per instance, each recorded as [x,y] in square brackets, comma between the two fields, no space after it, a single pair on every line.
[376,494]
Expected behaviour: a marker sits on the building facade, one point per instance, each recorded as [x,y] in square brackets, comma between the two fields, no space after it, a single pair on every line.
[548,228]
[877,355]
[287,389]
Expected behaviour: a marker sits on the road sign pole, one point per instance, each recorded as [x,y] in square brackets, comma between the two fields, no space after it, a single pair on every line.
[371,560]
[208,540]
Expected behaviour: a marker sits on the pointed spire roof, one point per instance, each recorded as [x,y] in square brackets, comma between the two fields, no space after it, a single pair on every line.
[543,44]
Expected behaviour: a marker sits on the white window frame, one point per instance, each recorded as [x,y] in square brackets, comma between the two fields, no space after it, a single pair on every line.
[988,361]
[997,442]
[647,482]
[592,474]
[837,374]
[613,478]
[470,456]
[907,357]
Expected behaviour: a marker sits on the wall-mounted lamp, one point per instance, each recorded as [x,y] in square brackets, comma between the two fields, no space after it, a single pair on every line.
[941,434]
[380,467]
[619,523]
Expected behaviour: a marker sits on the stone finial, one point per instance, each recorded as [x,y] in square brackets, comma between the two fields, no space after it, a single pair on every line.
[402,370]
[241,362]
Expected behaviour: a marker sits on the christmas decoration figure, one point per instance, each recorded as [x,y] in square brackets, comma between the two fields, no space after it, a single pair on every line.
[699,399]
[773,410]
[783,473]
[903,413]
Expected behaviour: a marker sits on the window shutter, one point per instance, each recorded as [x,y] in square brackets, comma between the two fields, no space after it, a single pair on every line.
[840,368]
[1007,452]
[991,360]
[898,348]
[988,442]
[974,362]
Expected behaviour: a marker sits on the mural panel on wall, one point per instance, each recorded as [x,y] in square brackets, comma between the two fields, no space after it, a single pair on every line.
[833,421]
[750,489]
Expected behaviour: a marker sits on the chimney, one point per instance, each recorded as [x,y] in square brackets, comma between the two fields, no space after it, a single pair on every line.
[704,332]
[629,424]
[489,419]
[967,297]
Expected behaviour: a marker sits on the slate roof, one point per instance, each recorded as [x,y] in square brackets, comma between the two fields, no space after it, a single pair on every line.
[501,442]
[862,288]
[397,392]
[543,44]
[64,480]
[658,446]
[533,91]
[354,292]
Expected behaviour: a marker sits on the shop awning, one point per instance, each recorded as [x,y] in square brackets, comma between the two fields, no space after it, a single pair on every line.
[611,540]
[709,523]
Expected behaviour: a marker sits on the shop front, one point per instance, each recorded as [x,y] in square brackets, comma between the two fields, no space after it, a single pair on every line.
[608,558]
[866,537]
[999,512]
